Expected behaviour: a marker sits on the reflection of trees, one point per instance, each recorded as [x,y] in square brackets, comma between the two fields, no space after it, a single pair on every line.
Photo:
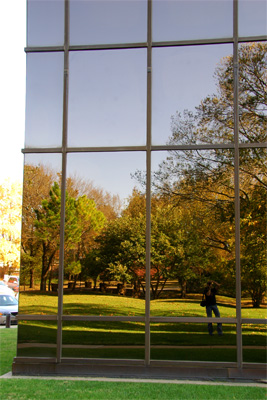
[41,225]
[203,181]
[37,183]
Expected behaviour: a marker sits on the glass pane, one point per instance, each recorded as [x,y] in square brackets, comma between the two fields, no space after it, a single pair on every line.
[44,99]
[104,339]
[107,102]
[192,239]
[252,17]
[190,102]
[104,235]
[253,231]
[192,19]
[106,22]
[45,22]
[40,234]
[37,339]
[252,92]
[191,342]
[254,343]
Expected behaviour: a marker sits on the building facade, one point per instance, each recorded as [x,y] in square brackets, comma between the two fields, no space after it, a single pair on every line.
[145,178]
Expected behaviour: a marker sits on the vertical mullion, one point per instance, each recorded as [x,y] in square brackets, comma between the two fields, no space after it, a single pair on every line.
[148,184]
[63,182]
[237,196]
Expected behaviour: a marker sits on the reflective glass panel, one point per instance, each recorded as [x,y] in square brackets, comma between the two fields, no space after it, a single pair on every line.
[103,339]
[44,99]
[254,340]
[192,19]
[191,342]
[104,268]
[45,22]
[253,231]
[40,234]
[192,233]
[37,339]
[107,21]
[107,101]
[190,102]
[252,17]
[252,92]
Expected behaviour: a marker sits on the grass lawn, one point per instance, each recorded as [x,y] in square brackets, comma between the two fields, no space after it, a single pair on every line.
[37,389]
[166,338]
[48,389]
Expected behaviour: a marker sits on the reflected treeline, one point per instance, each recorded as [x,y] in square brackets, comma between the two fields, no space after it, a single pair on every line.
[192,207]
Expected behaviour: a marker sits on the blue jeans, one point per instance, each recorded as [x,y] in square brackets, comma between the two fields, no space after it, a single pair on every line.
[216,311]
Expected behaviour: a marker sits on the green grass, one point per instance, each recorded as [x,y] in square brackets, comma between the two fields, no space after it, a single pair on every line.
[34,389]
[131,334]
[92,303]
[48,389]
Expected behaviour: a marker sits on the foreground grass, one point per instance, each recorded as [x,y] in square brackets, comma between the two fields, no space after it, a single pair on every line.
[48,389]
[8,342]
[80,390]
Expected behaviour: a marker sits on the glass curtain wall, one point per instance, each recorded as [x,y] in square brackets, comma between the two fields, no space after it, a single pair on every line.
[145,183]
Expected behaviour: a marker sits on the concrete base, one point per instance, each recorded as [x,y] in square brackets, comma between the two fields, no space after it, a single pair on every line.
[46,367]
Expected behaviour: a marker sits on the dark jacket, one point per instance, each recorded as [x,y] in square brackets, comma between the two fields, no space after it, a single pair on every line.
[211,299]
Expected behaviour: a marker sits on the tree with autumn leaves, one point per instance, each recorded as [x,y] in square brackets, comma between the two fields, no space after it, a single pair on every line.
[10,225]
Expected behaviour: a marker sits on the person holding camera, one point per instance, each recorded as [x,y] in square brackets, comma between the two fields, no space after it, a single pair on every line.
[210,295]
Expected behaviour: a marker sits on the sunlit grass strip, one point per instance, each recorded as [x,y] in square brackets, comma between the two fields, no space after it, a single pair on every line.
[111,305]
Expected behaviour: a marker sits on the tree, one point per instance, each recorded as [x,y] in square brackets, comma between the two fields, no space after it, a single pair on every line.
[89,223]
[38,180]
[204,179]
[10,224]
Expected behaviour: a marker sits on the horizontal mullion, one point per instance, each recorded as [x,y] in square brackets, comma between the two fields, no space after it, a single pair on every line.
[104,149]
[170,43]
[36,317]
[116,46]
[253,321]
[29,150]
[43,49]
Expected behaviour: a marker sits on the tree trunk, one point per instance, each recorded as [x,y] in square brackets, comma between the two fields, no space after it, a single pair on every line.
[31,278]
[183,289]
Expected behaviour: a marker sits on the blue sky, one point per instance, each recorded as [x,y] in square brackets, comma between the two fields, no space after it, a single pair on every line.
[12,83]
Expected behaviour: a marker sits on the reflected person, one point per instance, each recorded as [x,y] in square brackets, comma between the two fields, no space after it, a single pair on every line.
[210,295]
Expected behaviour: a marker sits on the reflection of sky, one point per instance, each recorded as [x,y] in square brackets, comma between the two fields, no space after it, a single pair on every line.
[107,98]
[192,19]
[252,17]
[182,77]
[110,171]
[107,89]
[45,22]
[44,99]
[102,21]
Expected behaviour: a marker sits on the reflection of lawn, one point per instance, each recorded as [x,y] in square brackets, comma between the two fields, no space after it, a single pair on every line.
[101,304]
[132,333]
